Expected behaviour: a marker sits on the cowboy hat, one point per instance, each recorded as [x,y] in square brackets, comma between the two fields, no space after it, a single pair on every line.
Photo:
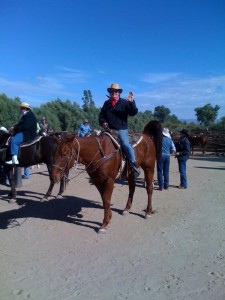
[114,87]
[3,129]
[25,105]
[184,131]
[166,132]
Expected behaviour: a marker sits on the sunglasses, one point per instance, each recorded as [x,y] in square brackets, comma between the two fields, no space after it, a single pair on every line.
[114,92]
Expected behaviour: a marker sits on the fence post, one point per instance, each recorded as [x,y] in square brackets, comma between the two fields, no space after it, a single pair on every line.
[18,177]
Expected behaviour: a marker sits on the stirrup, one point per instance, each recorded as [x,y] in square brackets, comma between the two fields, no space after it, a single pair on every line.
[136,170]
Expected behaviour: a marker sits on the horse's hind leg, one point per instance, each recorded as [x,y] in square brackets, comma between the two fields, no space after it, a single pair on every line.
[149,175]
[131,183]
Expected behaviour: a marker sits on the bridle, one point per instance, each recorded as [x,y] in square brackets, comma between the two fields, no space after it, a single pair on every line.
[67,159]
[93,165]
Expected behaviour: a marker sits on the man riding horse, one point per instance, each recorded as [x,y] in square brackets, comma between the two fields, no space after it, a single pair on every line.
[23,131]
[114,115]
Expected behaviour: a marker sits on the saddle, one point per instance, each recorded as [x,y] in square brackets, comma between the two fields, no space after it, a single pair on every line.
[134,140]
[31,142]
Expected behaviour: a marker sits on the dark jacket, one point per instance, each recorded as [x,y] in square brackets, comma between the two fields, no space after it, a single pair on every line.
[27,125]
[116,116]
[183,147]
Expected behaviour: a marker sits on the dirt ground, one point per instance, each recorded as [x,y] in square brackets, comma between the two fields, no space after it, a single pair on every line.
[51,250]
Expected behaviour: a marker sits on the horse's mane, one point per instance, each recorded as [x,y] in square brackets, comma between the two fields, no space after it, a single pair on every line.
[154,130]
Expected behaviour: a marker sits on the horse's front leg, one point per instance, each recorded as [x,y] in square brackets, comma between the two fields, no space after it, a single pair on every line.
[63,183]
[49,192]
[61,188]
[106,189]
[131,183]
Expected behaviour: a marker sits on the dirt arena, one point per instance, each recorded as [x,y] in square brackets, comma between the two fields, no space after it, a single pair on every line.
[51,251]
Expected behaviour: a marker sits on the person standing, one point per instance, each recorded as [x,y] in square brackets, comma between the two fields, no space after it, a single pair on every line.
[24,131]
[114,115]
[84,129]
[26,174]
[163,165]
[44,127]
[183,153]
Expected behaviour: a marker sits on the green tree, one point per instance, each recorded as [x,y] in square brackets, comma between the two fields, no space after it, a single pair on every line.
[88,101]
[206,114]
[161,113]
[9,112]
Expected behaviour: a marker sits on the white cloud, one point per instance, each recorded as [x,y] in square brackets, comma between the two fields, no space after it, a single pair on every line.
[71,76]
[182,95]
[154,78]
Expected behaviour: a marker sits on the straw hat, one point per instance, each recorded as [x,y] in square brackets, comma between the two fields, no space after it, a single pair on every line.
[114,87]
[166,132]
[25,105]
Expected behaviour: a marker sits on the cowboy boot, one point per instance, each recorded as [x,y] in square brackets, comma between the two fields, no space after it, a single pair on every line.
[136,169]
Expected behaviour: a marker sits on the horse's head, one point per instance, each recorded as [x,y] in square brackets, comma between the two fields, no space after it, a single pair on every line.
[64,157]
[4,136]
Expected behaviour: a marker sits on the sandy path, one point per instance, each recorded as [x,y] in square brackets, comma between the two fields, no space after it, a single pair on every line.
[51,250]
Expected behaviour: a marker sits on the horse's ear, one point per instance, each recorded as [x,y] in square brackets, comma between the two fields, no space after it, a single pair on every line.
[68,137]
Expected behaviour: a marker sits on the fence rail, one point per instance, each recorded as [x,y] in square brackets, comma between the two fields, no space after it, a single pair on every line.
[216,143]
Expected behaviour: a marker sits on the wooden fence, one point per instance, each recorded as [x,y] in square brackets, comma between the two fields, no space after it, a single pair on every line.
[215,144]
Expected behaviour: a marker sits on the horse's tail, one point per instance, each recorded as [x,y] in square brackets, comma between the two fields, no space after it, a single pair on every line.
[154,130]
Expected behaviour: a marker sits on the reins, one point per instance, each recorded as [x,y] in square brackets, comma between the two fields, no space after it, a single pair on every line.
[93,165]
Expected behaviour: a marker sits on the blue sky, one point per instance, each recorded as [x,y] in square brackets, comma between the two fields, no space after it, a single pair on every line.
[168,52]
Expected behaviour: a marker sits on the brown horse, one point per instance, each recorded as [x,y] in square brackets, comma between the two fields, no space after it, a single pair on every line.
[102,158]
[198,139]
[31,153]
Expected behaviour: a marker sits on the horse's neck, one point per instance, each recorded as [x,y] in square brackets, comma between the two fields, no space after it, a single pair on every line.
[86,149]
[92,149]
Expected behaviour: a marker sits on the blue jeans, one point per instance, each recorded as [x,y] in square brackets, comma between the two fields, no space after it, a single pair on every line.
[27,172]
[128,149]
[163,171]
[182,170]
[15,142]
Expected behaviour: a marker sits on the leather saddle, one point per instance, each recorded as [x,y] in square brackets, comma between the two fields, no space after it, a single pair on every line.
[134,140]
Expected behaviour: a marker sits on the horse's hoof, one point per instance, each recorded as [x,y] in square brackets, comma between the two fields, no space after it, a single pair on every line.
[147,217]
[125,213]
[59,197]
[12,201]
[101,230]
